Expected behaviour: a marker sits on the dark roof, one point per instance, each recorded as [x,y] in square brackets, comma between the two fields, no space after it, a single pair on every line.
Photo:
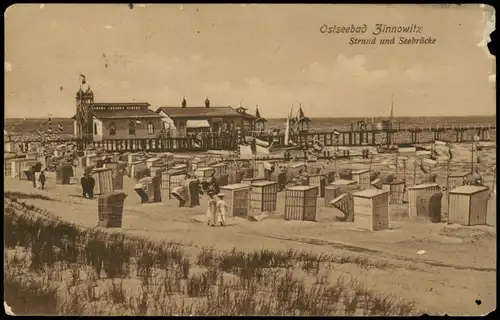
[258,116]
[89,91]
[178,112]
[118,104]
[124,114]
[248,116]
[300,120]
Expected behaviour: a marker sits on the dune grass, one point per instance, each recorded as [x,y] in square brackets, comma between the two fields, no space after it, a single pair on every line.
[69,270]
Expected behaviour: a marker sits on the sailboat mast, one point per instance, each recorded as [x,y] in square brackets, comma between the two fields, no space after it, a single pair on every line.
[287,126]
[392,106]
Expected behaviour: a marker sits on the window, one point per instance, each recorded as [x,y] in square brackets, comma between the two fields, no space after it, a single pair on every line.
[95,128]
[151,128]
[164,126]
[131,128]
[112,129]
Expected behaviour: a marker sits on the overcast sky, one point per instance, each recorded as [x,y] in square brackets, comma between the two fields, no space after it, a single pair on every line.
[270,55]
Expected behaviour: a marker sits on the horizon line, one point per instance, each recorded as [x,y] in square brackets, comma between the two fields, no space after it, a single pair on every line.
[318,117]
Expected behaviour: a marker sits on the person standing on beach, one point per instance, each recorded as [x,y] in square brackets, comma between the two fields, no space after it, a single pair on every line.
[211,210]
[87,183]
[36,168]
[222,209]
[42,179]
[214,184]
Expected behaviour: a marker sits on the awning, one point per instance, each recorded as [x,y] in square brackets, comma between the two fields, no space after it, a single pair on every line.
[193,124]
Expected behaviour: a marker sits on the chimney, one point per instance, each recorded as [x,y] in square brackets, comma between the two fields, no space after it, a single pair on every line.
[207,103]
[184,102]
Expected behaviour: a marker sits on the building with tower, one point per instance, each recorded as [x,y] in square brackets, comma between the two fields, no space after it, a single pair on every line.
[97,121]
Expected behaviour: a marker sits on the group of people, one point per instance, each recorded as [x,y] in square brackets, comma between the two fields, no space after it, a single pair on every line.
[217,207]
[87,182]
[188,196]
[217,210]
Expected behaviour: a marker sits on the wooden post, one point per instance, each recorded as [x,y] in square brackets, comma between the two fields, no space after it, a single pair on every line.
[335,154]
[404,171]
[472,158]
[448,190]
[397,166]
[414,172]
[494,180]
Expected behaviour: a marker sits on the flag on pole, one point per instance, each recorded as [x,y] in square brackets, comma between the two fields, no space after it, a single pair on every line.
[336,132]
[83,78]
[137,122]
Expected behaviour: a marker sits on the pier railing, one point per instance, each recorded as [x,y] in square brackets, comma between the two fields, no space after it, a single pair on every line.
[166,144]
[397,133]
[402,126]
[438,127]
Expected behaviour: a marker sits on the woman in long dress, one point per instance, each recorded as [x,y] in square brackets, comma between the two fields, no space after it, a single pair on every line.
[222,209]
[211,211]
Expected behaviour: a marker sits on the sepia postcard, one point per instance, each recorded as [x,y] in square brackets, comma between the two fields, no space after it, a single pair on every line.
[249,159]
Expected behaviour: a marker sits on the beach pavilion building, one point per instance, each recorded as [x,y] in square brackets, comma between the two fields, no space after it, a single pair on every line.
[97,121]
[184,120]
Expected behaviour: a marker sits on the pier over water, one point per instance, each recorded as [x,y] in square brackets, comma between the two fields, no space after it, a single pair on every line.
[370,135]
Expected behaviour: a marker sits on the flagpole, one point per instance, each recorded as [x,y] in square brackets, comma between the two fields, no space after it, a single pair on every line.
[404,171]
[397,164]
[448,189]
[494,180]
[472,157]
[414,171]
